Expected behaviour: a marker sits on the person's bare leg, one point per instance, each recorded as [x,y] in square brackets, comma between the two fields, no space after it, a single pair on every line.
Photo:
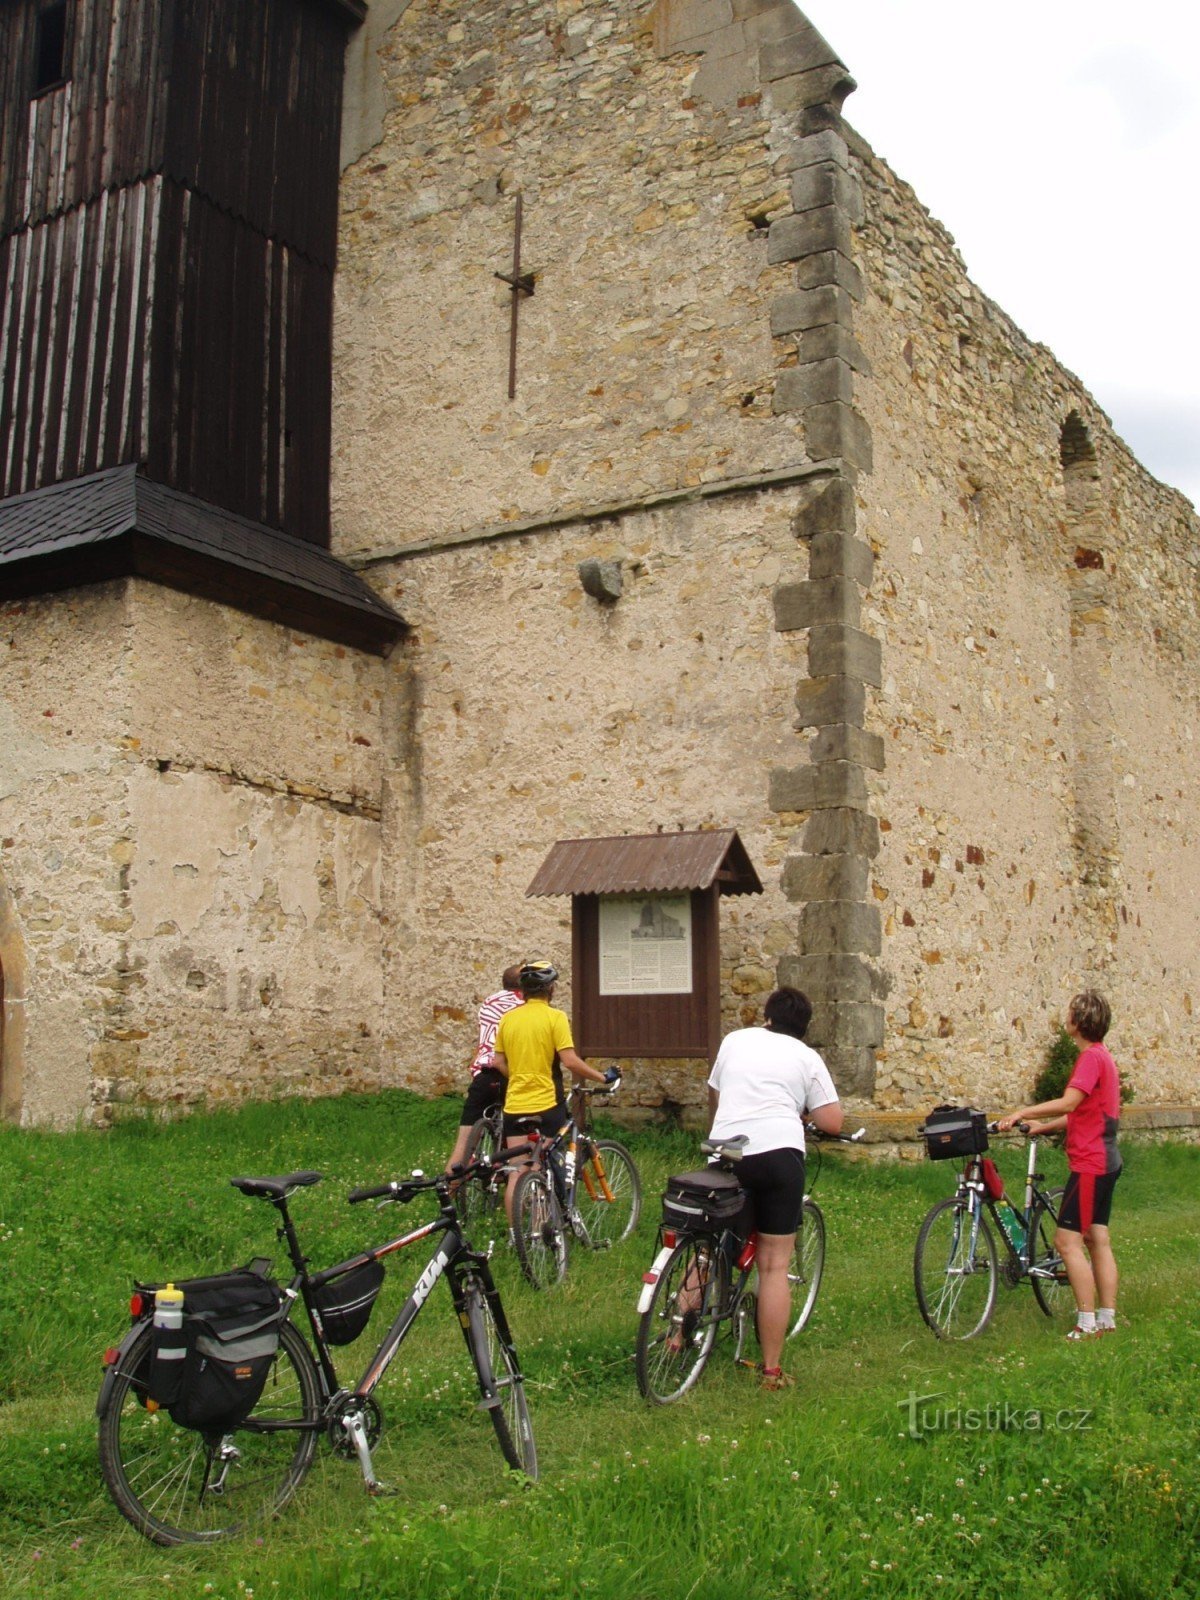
[1079,1269]
[1104,1265]
[459,1153]
[775,1251]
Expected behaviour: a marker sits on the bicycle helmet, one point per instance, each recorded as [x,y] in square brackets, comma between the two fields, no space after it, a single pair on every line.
[537,976]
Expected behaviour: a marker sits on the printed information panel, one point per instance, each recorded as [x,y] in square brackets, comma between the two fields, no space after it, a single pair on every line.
[645,944]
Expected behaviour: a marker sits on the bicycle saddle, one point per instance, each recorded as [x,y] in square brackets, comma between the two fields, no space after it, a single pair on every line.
[276,1188]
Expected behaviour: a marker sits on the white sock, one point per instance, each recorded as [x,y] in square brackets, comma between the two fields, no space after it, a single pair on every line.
[1087,1321]
[1105,1318]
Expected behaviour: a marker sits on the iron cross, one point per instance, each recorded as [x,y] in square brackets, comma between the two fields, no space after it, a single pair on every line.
[519,283]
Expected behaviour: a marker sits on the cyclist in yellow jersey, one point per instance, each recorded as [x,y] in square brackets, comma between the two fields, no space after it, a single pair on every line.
[529,1040]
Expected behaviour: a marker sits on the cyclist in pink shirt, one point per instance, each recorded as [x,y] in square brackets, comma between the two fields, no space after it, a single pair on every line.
[1089,1108]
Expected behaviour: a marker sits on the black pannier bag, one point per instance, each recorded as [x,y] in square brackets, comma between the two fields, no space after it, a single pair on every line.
[709,1199]
[231,1332]
[953,1132]
[344,1303]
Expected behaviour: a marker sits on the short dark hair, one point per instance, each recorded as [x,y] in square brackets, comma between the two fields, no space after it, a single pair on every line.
[510,978]
[788,1011]
[1091,1014]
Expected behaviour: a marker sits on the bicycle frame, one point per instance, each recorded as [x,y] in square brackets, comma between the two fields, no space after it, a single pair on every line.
[970,1182]
[560,1154]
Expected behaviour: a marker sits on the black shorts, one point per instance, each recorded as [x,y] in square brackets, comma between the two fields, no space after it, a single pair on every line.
[546,1122]
[774,1181]
[1087,1200]
[487,1089]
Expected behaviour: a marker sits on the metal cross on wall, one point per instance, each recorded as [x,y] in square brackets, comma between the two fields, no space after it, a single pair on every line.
[519,283]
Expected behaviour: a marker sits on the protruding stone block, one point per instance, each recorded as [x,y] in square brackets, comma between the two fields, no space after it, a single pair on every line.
[818,383]
[793,237]
[847,1026]
[827,185]
[800,605]
[818,148]
[601,579]
[838,651]
[852,1070]
[803,50]
[808,878]
[838,430]
[844,742]
[810,308]
[817,788]
[821,701]
[829,507]
[822,86]
[832,553]
[832,341]
[830,266]
[852,832]
[828,977]
[680,24]
[840,927]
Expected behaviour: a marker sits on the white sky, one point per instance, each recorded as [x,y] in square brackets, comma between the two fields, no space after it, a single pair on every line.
[1059,142]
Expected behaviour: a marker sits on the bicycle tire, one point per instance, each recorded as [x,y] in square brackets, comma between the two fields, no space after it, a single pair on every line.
[675,1338]
[500,1380]
[477,1198]
[538,1232]
[956,1286]
[808,1265]
[608,1193]
[1053,1294]
[158,1474]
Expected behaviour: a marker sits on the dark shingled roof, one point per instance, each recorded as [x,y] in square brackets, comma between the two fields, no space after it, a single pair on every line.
[117,524]
[648,862]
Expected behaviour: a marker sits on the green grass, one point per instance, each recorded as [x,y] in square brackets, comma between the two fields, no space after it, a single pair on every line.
[820,1491]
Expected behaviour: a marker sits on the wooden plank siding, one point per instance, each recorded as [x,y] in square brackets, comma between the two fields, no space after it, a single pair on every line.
[168,227]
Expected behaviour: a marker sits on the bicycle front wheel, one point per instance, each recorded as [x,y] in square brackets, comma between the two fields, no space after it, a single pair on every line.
[954,1271]
[500,1380]
[477,1198]
[1051,1286]
[177,1486]
[808,1264]
[608,1193]
[675,1336]
[538,1233]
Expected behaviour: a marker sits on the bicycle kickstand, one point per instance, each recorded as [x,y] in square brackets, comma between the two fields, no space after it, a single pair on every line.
[355,1425]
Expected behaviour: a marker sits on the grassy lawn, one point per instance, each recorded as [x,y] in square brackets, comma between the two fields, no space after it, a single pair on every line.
[1034,1468]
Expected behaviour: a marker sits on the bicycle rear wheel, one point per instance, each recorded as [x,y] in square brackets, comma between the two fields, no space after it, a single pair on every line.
[538,1232]
[675,1336]
[500,1381]
[478,1198]
[807,1266]
[608,1193]
[954,1272]
[177,1486]
[1051,1286]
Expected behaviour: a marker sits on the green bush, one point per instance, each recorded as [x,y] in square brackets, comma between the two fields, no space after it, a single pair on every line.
[1061,1056]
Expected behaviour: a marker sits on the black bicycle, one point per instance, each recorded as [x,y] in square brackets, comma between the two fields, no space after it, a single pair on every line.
[180,1484]
[703,1275]
[955,1266]
[579,1187]
[477,1201]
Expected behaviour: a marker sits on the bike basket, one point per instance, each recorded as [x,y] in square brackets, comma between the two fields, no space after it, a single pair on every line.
[231,1333]
[344,1303]
[697,1200]
[952,1132]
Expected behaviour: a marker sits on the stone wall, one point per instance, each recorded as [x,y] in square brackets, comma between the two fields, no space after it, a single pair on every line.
[190,885]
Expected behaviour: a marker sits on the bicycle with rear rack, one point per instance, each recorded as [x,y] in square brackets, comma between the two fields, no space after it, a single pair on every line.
[579,1187]
[703,1276]
[477,1201]
[198,1478]
[955,1267]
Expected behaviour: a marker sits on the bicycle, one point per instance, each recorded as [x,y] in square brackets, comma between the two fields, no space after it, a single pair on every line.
[579,1187]
[955,1265]
[690,1291]
[476,1201]
[177,1485]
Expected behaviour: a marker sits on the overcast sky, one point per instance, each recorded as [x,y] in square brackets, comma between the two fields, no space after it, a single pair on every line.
[1059,142]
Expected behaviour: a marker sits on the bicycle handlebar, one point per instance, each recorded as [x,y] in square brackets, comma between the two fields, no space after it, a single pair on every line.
[835,1138]
[402,1190]
[1020,1127]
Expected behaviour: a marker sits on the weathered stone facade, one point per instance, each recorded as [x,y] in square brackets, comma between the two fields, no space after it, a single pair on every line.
[873,582]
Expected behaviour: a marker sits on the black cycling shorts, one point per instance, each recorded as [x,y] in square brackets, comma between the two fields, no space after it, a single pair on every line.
[487,1089]
[774,1181]
[546,1122]
[1087,1200]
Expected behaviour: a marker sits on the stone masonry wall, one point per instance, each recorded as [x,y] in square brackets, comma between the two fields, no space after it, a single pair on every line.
[190,902]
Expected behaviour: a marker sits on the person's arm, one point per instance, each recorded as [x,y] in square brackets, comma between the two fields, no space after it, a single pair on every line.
[500,1062]
[1062,1107]
[829,1117]
[574,1063]
[714,1100]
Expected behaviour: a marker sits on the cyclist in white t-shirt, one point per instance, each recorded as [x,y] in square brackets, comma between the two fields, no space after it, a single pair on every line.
[763,1084]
